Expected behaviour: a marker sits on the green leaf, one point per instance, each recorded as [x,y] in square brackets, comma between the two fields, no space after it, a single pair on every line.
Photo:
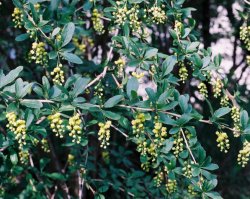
[43,162]
[132,84]
[211,167]
[18,87]
[32,103]
[168,64]
[13,158]
[113,101]
[167,146]
[183,102]
[56,176]
[183,120]
[244,119]
[111,115]
[221,112]
[67,33]
[213,195]
[103,188]
[72,58]
[151,52]
[151,94]
[192,47]
[80,85]
[22,37]
[10,77]
[99,196]
[174,130]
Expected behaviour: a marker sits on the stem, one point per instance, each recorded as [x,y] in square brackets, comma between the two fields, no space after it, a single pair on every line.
[187,145]
[102,75]
[125,135]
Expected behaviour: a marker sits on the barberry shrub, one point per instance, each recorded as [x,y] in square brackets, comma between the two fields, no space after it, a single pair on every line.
[76,124]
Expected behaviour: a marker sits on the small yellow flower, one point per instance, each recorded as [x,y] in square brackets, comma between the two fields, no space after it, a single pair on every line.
[75,128]
[97,22]
[203,90]
[104,134]
[243,156]
[38,54]
[58,74]
[223,141]
[56,124]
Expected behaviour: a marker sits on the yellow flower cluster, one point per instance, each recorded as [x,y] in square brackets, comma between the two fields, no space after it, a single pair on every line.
[58,74]
[56,124]
[38,54]
[120,15]
[97,22]
[71,159]
[120,64]
[245,36]
[177,27]
[134,22]
[187,170]
[137,75]
[224,102]
[243,156]
[17,18]
[178,144]
[191,191]
[78,45]
[24,156]
[75,128]
[157,15]
[183,73]
[235,114]
[142,146]
[223,141]
[248,60]
[45,145]
[203,90]
[32,33]
[152,153]
[217,88]
[158,179]
[160,133]
[138,124]
[104,134]
[18,127]
[99,91]
[171,186]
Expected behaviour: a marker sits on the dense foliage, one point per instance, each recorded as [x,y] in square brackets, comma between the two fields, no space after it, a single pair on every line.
[77,121]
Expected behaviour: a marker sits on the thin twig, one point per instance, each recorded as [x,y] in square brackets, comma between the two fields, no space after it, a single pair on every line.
[3,148]
[187,145]
[102,75]
[38,100]
[125,135]
[116,81]
[247,2]
[175,115]
[91,188]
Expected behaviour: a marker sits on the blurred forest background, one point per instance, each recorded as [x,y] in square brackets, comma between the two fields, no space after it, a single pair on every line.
[219,23]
